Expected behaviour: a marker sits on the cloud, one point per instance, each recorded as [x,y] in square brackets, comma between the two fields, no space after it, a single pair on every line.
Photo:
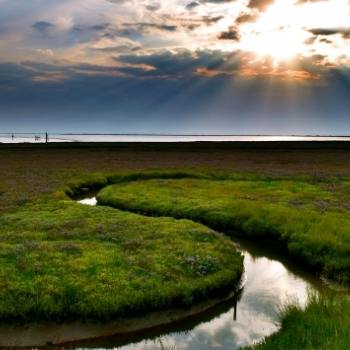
[99,33]
[153,7]
[284,74]
[96,27]
[119,49]
[191,5]
[326,41]
[345,32]
[260,5]
[116,1]
[144,26]
[246,18]
[231,34]
[42,26]
[208,20]
[180,64]
[52,77]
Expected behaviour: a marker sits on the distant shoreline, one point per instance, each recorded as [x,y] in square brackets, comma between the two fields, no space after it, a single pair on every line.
[37,138]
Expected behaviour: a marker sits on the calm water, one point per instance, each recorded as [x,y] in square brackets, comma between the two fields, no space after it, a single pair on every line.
[268,287]
[40,138]
[271,283]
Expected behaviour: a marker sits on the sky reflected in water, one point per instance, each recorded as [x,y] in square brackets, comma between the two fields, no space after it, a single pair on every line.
[268,288]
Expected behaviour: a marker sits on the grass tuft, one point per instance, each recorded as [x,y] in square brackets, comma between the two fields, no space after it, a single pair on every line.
[323,325]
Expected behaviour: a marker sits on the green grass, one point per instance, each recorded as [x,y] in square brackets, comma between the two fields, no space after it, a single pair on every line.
[323,325]
[61,260]
[308,217]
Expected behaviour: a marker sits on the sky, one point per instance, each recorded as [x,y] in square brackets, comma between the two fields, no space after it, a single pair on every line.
[175,66]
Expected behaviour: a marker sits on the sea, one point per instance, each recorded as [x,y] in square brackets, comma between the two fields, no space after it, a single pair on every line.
[56,137]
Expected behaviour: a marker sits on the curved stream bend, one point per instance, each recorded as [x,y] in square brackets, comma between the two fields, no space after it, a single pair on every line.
[270,285]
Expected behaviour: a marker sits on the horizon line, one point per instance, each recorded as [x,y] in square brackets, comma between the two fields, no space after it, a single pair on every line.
[170,134]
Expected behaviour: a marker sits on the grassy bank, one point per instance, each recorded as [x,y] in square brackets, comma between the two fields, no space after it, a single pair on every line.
[323,325]
[307,216]
[60,260]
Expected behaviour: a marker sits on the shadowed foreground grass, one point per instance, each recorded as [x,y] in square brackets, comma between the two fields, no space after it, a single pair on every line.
[60,260]
[324,325]
[309,218]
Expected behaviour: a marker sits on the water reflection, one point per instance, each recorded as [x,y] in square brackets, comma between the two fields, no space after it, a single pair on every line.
[255,313]
[89,201]
[269,286]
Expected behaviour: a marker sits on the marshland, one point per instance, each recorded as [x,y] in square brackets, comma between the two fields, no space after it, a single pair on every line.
[243,244]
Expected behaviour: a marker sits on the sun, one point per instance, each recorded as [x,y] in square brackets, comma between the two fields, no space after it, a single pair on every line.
[282,31]
[277,33]
[280,45]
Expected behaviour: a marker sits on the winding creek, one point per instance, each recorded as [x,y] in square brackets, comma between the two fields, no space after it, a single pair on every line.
[270,282]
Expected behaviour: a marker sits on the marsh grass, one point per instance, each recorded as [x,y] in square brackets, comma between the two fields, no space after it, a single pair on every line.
[307,217]
[61,261]
[55,267]
[323,325]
